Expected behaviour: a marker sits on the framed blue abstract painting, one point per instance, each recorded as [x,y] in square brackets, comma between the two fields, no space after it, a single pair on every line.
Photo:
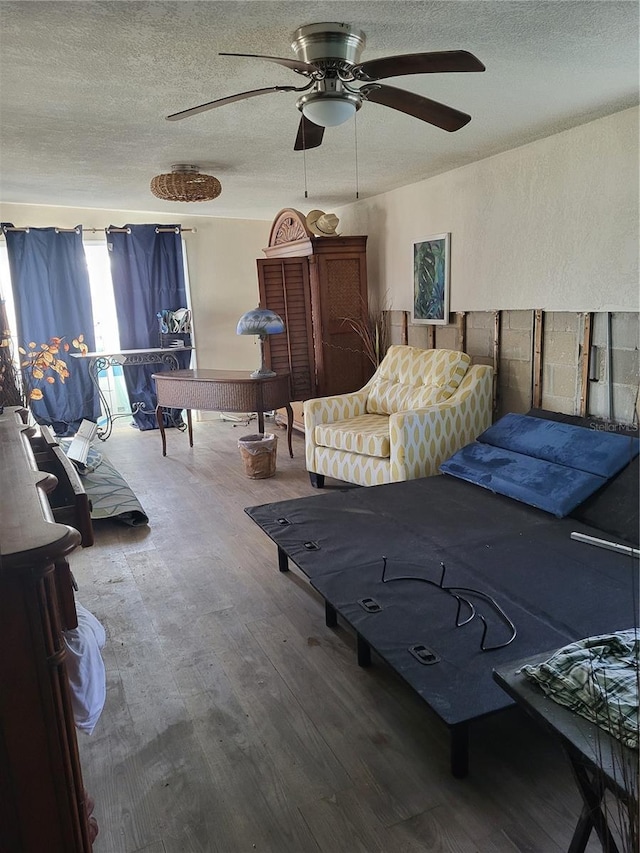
[431,280]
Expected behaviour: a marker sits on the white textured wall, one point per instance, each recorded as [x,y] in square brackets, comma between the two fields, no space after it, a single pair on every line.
[221,255]
[551,225]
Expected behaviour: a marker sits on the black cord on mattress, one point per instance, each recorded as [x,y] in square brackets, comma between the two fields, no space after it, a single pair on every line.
[455,591]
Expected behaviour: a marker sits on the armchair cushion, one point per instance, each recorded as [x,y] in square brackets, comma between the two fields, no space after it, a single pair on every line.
[368,434]
[409,378]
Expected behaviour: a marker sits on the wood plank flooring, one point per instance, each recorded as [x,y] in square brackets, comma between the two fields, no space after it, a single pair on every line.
[236,721]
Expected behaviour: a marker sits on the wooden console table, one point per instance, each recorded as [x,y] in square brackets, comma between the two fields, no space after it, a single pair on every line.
[222,391]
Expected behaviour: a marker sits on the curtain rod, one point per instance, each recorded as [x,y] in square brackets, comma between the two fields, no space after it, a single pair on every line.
[177,230]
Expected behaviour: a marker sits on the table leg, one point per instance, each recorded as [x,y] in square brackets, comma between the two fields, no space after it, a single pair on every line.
[581,833]
[261,422]
[289,427]
[190,427]
[95,366]
[592,792]
[160,422]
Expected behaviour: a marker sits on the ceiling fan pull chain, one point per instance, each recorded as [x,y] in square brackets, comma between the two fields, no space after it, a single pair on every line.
[355,140]
[304,162]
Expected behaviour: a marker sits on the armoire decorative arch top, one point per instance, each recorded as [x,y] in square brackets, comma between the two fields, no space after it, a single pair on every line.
[289,226]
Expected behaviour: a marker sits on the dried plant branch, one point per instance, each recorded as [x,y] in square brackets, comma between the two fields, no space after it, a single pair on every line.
[372,329]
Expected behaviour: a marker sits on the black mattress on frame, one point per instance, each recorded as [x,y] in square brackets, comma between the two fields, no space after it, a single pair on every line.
[551,587]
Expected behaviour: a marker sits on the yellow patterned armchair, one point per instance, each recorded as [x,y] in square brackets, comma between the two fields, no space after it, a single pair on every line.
[418,408]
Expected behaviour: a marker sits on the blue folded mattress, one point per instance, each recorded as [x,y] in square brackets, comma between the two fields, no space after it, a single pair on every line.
[547,464]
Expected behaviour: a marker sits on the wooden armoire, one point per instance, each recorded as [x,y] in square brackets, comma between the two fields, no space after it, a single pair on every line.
[316,284]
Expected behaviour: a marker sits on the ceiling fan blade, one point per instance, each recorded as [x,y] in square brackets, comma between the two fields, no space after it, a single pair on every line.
[417,63]
[309,135]
[294,64]
[241,96]
[415,105]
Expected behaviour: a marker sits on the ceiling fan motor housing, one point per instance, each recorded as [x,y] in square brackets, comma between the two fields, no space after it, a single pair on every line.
[317,43]
[334,49]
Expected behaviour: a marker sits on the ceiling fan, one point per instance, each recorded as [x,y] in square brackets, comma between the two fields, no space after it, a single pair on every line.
[329,55]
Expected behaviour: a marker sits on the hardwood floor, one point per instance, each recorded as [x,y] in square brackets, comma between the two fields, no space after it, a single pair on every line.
[236,721]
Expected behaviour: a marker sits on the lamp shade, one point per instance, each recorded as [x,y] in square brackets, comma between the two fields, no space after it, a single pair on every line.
[260,321]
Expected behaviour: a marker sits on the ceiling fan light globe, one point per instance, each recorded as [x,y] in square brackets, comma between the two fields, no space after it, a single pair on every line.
[329,112]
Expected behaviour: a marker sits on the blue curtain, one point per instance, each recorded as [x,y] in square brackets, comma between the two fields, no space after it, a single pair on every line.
[148,277]
[52,297]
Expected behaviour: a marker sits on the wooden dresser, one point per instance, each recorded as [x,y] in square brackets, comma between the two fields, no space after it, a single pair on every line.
[315,284]
[42,800]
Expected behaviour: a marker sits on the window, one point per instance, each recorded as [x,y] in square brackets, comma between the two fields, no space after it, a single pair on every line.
[7,295]
[104,318]
[105,322]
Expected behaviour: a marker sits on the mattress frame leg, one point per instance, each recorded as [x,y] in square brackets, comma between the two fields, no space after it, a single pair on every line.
[283,560]
[330,615]
[459,750]
[363,651]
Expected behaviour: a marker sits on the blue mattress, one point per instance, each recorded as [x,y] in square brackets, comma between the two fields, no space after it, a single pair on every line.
[546,464]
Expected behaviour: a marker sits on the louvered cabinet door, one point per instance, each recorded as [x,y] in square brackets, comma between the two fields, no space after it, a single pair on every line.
[284,288]
[338,271]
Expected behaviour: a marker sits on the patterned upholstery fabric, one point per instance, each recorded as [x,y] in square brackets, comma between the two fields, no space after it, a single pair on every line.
[345,440]
[410,378]
[367,434]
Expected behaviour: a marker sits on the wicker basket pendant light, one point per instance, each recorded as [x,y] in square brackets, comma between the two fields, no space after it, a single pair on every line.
[185,183]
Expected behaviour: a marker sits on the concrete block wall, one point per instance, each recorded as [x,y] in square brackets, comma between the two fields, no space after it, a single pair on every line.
[480,330]
[395,325]
[446,336]
[418,335]
[618,401]
[562,341]
[515,365]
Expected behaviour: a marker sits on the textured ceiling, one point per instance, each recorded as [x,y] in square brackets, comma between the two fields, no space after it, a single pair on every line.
[85,88]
